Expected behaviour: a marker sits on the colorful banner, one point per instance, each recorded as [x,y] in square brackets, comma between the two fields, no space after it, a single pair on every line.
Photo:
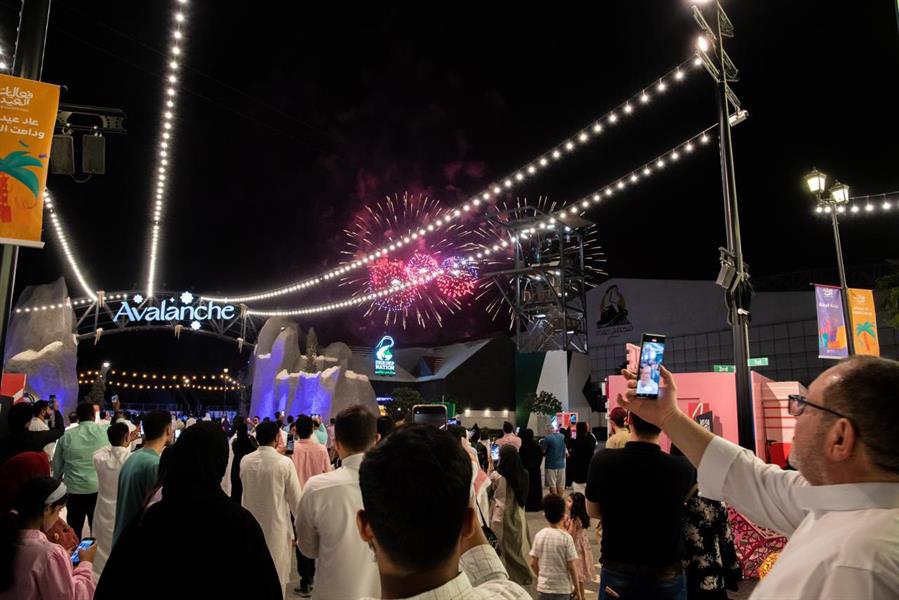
[831,324]
[864,322]
[27,118]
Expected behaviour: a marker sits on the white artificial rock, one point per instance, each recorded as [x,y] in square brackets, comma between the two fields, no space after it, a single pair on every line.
[50,370]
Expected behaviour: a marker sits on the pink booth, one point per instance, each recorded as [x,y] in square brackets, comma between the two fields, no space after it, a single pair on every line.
[715,393]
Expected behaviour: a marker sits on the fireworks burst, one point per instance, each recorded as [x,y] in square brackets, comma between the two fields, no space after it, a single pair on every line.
[447,281]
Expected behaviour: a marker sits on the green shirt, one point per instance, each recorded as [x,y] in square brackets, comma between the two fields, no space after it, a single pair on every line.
[73,460]
[136,479]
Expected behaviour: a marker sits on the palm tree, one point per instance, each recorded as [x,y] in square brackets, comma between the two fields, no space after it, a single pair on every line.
[15,165]
[866,328]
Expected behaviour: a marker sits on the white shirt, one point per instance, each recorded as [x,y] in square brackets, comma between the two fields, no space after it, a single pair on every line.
[226,478]
[483,576]
[271,492]
[108,462]
[38,425]
[553,549]
[326,530]
[844,539]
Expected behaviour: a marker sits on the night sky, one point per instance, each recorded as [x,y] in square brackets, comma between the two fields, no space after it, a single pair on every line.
[292,116]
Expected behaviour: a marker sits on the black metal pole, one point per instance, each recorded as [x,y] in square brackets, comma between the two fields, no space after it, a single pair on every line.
[739,319]
[844,288]
[28,63]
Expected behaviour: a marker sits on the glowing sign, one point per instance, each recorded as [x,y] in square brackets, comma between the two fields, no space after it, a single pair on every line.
[172,312]
[384,363]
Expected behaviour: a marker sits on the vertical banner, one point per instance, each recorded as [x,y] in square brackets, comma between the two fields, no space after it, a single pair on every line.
[832,341]
[864,322]
[27,118]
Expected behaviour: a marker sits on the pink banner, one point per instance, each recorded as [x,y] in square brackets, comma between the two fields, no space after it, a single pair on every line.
[831,323]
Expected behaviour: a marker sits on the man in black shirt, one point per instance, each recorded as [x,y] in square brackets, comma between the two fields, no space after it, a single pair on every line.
[639,492]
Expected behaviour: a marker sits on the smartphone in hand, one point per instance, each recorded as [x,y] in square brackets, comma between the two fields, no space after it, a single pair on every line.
[652,351]
[84,545]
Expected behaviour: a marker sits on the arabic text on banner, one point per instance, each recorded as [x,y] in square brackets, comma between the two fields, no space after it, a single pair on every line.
[27,118]
[864,322]
[831,324]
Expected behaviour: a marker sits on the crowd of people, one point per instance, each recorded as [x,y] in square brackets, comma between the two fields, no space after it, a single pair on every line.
[376,509]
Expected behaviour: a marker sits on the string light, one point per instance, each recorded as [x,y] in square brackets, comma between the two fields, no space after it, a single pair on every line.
[163,377]
[580,206]
[165,141]
[64,244]
[866,205]
[530,169]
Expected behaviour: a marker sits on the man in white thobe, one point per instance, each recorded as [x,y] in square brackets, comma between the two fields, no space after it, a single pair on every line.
[108,462]
[39,423]
[840,510]
[271,492]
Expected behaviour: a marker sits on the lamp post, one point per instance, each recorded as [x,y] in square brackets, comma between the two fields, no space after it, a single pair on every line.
[834,201]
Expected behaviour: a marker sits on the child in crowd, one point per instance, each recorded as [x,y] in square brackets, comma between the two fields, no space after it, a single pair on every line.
[577,522]
[554,556]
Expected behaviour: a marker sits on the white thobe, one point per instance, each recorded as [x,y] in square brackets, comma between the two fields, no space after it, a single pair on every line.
[226,479]
[844,539]
[108,462]
[326,530]
[37,425]
[271,491]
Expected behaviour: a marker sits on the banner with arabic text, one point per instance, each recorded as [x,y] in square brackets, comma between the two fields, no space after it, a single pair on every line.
[864,322]
[832,341]
[27,118]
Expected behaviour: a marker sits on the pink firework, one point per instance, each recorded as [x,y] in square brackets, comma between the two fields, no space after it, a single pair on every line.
[422,266]
[384,274]
[458,278]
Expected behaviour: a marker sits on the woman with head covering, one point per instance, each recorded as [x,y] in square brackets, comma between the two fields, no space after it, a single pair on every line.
[195,525]
[509,482]
[17,471]
[242,445]
[532,457]
[582,449]
[31,566]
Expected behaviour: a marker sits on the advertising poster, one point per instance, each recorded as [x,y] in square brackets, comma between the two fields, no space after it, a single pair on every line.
[27,118]
[832,341]
[864,322]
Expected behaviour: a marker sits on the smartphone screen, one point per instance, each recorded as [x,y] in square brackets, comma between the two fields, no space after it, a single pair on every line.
[494,451]
[430,414]
[652,351]
[85,544]
[290,442]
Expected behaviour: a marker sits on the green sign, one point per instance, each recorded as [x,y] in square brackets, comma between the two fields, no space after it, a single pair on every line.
[752,362]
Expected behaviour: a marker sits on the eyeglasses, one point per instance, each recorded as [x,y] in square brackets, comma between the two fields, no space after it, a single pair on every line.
[796,406]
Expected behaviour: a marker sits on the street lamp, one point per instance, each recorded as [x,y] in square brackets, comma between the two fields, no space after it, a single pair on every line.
[834,201]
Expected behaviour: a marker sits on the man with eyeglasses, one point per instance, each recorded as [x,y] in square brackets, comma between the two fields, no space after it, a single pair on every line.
[840,509]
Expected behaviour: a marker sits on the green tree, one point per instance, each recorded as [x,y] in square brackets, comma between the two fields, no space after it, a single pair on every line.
[542,403]
[889,285]
[404,398]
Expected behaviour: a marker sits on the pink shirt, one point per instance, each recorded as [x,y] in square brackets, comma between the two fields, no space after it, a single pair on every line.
[43,571]
[509,438]
[310,458]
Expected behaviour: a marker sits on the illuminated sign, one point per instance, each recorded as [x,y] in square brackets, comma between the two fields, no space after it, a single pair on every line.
[384,363]
[171,312]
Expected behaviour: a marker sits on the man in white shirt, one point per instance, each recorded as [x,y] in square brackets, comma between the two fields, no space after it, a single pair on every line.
[418,517]
[326,521]
[108,462]
[509,437]
[841,509]
[39,423]
[271,492]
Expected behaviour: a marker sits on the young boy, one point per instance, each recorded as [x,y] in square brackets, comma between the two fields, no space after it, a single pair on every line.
[553,555]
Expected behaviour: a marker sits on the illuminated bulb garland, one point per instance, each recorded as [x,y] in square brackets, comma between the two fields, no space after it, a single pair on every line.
[140,375]
[659,163]
[166,139]
[479,201]
[64,244]
[865,205]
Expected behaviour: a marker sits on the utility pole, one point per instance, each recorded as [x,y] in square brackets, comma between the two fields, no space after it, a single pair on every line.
[27,63]
[738,291]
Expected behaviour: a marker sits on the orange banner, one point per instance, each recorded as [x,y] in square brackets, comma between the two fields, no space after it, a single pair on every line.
[27,118]
[864,322]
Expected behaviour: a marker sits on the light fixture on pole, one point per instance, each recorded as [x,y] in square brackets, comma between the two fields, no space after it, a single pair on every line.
[833,202]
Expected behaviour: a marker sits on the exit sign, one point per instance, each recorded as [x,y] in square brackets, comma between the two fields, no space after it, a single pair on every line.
[752,362]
